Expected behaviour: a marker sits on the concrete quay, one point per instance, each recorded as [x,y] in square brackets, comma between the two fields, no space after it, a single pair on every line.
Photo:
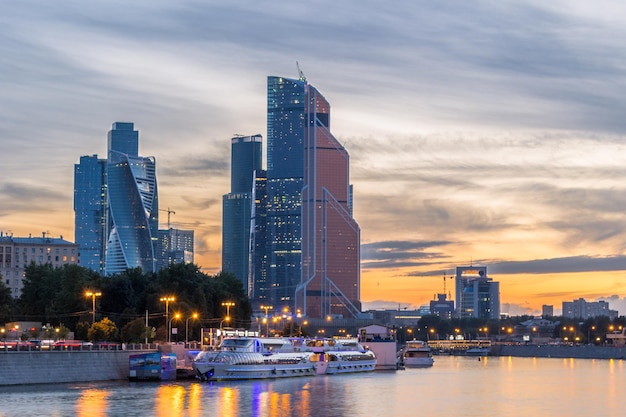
[38,367]
[560,351]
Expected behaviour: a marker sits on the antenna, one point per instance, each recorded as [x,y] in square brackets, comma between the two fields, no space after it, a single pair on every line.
[301,76]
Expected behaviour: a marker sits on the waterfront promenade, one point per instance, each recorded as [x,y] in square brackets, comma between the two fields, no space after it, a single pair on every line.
[560,351]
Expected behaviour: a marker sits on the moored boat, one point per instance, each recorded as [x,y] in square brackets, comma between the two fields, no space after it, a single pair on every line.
[253,358]
[417,354]
[338,356]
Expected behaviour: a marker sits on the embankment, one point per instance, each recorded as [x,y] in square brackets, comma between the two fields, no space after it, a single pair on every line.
[17,368]
[560,351]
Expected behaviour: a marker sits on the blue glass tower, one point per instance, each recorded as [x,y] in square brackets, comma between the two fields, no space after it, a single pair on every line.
[132,202]
[90,211]
[246,159]
[285,171]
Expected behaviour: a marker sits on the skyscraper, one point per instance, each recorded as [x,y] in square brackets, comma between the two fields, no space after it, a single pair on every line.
[246,160]
[116,206]
[285,175]
[476,295]
[330,235]
[133,211]
[90,211]
[313,241]
[175,246]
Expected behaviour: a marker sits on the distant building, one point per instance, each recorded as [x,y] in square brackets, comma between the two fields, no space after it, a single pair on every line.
[132,203]
[442,307]
[477,295]
[581,309]
[547,311]
[258,285]
[90,211]
[246,160]
[116,206]
[175,247]
[16,253]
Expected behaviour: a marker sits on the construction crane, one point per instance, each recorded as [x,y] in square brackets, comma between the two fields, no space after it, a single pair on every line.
[168,216]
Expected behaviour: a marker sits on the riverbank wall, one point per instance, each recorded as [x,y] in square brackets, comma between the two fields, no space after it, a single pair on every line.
[35,367]
[560,351]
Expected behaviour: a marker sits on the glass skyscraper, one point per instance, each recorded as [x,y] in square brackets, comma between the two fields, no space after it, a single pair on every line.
[246,160]
[90,211]
[330,236]
[133,203]
[116,206]
[285,171]
[313,243]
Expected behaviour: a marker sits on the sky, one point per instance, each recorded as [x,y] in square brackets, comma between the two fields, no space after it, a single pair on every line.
[480,133]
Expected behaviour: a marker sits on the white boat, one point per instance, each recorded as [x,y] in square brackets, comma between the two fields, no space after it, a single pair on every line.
[417,354]
[339,356]
[253,358]
[478,351]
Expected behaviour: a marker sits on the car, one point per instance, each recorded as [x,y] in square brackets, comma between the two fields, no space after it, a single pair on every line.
[72,345]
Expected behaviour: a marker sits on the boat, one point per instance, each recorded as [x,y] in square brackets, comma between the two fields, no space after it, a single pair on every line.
[478,351]
[416,354]
[239,358]
[340,356]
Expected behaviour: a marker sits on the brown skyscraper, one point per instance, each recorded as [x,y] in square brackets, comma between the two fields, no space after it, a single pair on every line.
[330,236]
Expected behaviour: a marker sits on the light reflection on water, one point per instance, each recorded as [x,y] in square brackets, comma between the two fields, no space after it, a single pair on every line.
[453,386]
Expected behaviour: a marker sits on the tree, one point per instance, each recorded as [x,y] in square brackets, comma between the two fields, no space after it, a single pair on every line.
[135,331]
[101,330]
[6,302]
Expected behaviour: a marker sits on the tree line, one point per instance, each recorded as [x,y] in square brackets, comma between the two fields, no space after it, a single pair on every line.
[57,297]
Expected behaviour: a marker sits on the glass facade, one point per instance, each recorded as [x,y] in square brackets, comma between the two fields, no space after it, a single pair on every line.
[90,211]
[246,159]
[285,171]
[175,246]
[330,236]
[133,208]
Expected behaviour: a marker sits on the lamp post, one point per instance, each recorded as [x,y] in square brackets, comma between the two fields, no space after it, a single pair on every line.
[93,295]
[169,326]
[193,316]
[167,300]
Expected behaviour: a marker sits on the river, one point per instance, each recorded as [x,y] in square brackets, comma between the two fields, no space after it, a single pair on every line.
[454,386]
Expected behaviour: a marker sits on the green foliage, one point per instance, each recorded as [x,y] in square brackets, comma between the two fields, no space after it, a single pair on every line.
[102,330]
[135,331]
[57,296]
[6,302]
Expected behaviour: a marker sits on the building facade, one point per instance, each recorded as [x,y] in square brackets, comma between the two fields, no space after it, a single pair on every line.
[285,177]
[116,205]
[582,309]
[476,295]
[246,160]
[90,211]
[175,246]
[16,253]
[330,282]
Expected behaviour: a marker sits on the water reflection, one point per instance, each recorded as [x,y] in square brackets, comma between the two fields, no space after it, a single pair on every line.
[453,386]
[92,403]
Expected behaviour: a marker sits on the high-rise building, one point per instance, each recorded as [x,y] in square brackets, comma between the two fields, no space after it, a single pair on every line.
[476,295]
[330,283]
[582,309]
[90,211]
[16,253]
[116,205]
[285,178]
[246,159]
[257,275]
[312,250]
[175,246]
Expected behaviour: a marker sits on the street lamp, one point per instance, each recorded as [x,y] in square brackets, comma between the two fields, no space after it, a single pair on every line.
[167,300]
[169,326]
[93,296]
[193,316]
[228,305]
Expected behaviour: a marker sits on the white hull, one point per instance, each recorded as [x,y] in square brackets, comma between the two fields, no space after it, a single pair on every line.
[331,368]
[418,362]
[223,372]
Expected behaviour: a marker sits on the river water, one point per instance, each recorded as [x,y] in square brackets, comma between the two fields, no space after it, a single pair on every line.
[454,386]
